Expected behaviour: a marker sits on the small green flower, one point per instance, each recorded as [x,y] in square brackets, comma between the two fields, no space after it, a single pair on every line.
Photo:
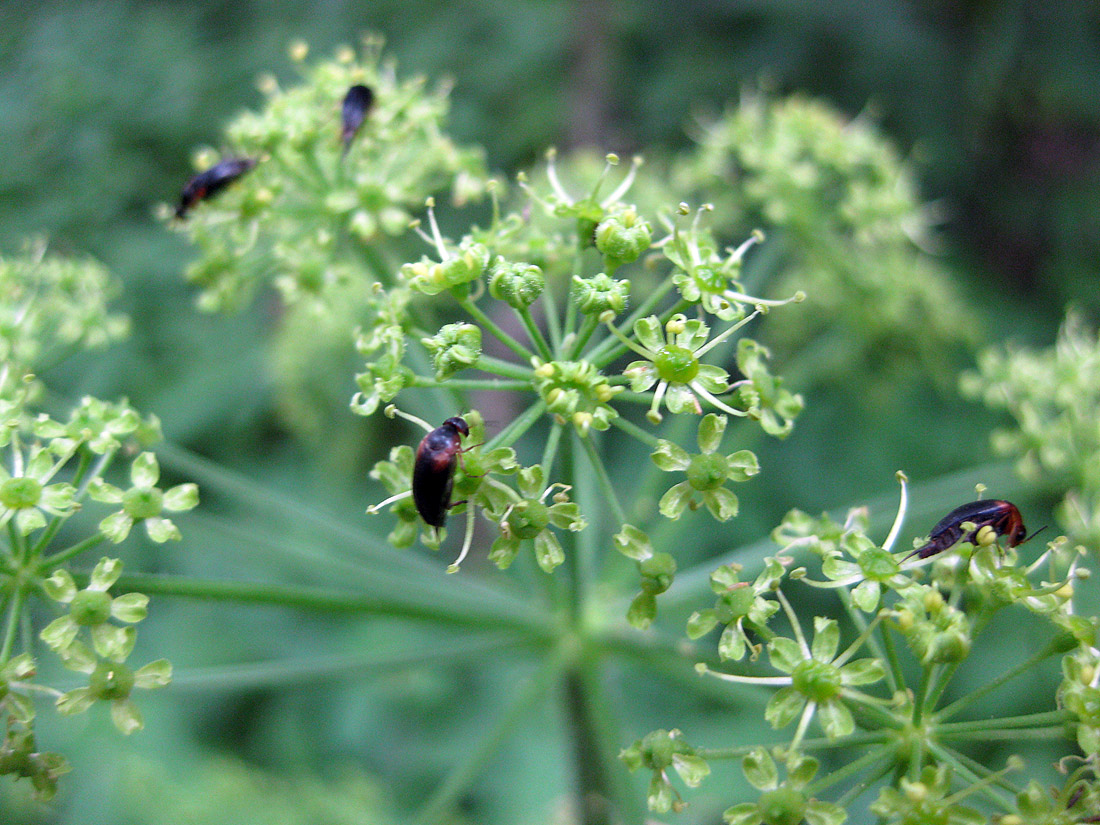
[143,502]
[93,608]
[929,799]
[383,345]
[707,472]
[786,802]
[455,347]
[576,391]
[27,496]
[517,284]
[599,294]
[658,752]
[457,266]
[110,682]
[672,354]
[656,570]
[622,236]
[762,394]
[936,631]
[740,606]
[100,425]
[19,756]
[706,277]
[531,518]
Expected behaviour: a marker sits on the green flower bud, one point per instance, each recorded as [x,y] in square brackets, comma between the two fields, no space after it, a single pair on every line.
[455,347]
[90,607]
[657,572]
[600,293]
[623,236]
[517,284]
[20,493]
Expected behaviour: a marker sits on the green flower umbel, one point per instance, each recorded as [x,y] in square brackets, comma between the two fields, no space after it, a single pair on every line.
[786,802]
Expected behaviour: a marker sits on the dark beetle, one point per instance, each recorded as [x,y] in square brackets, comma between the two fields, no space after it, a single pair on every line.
[434,470]
[357,103]
[209,183]
[1001,516]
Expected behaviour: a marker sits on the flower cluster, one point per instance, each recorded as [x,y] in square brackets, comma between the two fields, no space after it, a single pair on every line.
[52,467]
[867,703]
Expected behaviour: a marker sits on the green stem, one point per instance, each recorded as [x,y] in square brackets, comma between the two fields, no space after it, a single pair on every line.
[391,599]
[553,325]
[478,755]
[808,746]
[973,773]
[964,702]
[50,562]
[603,480]
[872,757]
[895,674]
[498,366]
[889,763]
[535,334]
[921,695]
[15,613]
[489,384]
[587,328]
[488,323]
[1006,723]
[518,426]
[294,672]
[597,738]
[632,429]
[550,451]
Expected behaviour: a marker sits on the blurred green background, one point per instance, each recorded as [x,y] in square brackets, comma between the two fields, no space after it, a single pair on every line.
[101,106]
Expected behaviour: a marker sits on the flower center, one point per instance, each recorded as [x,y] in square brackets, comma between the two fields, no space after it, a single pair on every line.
[90,607]
[143,502]
[529,520]
[707,472]
[782,806]
[819,681]
[20,493]
[677,365]
[110,680]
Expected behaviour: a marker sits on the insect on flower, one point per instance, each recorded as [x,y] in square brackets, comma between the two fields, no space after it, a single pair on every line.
[434,470]
[357,103]
[1000,516]
[206,184]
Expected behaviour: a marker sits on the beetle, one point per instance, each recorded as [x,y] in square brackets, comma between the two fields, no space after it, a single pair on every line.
[357,103]
[209,183]
[434,470]
[1002,517]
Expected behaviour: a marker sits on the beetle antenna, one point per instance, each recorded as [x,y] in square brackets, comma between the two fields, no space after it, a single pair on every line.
[1033,535]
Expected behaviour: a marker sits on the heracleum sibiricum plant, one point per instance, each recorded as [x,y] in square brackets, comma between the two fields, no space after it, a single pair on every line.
[53,469]
[607,313]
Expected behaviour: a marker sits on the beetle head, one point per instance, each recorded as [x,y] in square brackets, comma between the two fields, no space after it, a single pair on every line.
[459,423]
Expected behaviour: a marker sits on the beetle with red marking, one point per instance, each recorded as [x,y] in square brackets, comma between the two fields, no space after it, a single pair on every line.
[207,184]
[434,470]
[1002,517]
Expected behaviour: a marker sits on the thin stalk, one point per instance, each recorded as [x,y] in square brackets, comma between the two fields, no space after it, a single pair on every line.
[632,429]
[517,427]
[597,738]
[494,329]
[291,672]
[459,608]
[966,769]
[490,384]
[15,612]
[553,326]
[1014,723]
[603,480]
[814,745]
[57,558]
[964,702]
[498,366]
[895,674]
[853,793]
[550,450]
[587,328]
[535,334]
[852,768]
[447,793]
